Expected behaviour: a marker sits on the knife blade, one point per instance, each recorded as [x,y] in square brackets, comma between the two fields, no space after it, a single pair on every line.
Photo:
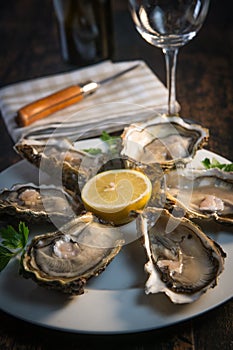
[61,99]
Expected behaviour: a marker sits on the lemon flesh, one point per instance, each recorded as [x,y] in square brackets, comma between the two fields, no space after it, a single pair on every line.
[113,194]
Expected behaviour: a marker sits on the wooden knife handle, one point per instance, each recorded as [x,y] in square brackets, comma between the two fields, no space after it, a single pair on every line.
[48,105]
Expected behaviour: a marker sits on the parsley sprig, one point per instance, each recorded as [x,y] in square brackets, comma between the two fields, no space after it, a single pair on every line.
[13,243]
[111,141]
[216,164]
[93,151]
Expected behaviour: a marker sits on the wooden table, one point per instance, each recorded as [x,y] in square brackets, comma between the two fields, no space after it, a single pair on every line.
[30,49]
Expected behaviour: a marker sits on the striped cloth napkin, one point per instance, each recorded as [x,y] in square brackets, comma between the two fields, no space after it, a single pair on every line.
[133,97]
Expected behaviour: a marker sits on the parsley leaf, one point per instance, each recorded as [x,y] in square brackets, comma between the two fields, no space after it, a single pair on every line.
[5,256]
[93,151]
[216,164]
[24,232]
[13,243]
[206,163]
[11,238]
[111,141]
[108,138]
[228,167]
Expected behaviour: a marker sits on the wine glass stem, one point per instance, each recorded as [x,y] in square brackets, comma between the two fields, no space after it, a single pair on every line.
[171,58]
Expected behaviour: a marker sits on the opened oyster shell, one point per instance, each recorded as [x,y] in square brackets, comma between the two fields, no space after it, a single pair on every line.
[60,160]
[39,203]
[202,194]
[183,262]
[64,260]
[168,141]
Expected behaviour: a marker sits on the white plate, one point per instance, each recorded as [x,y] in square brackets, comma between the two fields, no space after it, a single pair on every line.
[113,302]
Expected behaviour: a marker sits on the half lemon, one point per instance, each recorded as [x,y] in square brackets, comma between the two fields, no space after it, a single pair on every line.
[113,194]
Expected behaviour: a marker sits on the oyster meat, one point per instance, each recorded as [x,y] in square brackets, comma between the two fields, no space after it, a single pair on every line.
[168,141]
[202,194]
[64,260]
[39,203]
[183,262]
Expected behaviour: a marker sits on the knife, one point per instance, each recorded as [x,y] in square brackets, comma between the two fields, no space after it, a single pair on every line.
[61,99]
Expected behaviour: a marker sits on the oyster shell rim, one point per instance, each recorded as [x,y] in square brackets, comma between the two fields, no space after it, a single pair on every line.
[192,213]
[73,285]
[154,273]
[163,119]
[27,213]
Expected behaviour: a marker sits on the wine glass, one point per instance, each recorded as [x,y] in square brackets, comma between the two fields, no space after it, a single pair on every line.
[169,24]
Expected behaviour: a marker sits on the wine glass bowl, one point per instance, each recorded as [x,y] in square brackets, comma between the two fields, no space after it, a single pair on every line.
[169,24]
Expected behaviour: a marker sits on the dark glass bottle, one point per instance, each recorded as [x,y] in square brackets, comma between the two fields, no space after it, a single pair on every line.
[85,28]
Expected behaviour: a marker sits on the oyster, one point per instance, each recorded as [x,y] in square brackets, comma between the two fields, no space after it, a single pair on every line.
[64,260]
[61,160]
[183,262]
[168,141]
[33,203]
[203,194]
